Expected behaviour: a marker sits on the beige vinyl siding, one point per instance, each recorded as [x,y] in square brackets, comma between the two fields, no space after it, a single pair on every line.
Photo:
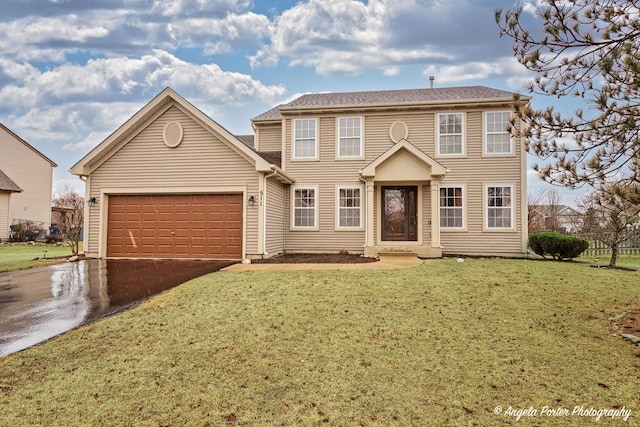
[473,170]
[269,137]
[33,174]
[325,174]
[426,214]
[275,216]
[476,171]
[5,197]
[200,162]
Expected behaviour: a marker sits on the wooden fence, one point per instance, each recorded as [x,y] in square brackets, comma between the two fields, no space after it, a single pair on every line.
[597,248]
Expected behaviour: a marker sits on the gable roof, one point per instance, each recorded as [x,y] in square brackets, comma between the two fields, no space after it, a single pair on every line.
[7,184]
[389,98]
[547,210]
[29,146]
[160,103]
[437,169]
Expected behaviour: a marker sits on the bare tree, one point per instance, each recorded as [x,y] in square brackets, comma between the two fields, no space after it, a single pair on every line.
[70,220]
[610,215]
[544,211]
[589,49]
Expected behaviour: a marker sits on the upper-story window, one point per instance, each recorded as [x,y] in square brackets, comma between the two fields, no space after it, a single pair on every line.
[305,139]
[349,137]
[450,134]
[497,139]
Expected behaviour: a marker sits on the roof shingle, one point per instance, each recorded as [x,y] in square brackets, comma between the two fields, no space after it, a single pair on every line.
[387,97]
[7,184]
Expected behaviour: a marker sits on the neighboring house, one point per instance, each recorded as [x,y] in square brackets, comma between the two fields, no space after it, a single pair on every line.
[425,171]
[557,218]
[26,177]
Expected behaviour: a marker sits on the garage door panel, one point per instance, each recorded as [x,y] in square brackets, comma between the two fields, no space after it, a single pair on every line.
[175,226]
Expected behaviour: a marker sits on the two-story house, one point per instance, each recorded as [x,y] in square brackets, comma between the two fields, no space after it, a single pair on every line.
[425,171]
[26,177]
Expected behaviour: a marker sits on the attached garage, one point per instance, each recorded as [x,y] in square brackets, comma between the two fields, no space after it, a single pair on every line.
[175,226]
[172,183]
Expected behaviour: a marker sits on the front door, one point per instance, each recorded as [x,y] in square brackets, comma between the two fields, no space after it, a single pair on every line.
[399,213]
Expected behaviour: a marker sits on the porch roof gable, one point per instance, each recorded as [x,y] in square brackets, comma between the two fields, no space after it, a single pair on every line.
[437,169]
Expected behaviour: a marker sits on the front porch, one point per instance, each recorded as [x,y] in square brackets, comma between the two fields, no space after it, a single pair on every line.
[402,213]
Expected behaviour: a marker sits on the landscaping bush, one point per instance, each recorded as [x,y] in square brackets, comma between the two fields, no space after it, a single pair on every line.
[558,246]
[26,232]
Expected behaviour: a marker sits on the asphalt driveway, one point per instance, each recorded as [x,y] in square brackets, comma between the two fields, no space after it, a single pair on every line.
[40,303]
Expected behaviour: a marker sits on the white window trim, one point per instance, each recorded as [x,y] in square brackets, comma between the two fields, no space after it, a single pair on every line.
[293,207]
[293,140]
[486,207]
[463,150]
[338,137]
[464,207]
[349,187]
[485,133]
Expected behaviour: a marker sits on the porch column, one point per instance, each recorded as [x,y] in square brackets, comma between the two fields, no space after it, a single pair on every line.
[435,214]
[371,194]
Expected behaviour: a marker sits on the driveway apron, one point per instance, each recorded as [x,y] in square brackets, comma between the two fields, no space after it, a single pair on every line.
[40,303]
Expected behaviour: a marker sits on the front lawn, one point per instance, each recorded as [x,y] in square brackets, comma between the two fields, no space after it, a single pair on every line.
[444,343]
[18,256]
[627,261]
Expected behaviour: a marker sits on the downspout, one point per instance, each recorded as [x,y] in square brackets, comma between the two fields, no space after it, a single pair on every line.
[263,199]
[366,228]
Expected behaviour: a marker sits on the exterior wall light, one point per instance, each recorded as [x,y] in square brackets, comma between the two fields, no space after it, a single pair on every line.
[252,200]
[92,201]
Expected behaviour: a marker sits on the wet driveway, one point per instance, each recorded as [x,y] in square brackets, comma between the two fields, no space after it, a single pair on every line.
[40,303]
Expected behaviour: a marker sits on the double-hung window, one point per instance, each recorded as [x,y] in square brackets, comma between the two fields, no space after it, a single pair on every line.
[451,207]
[305,139]
[305,207]
[349,137]
[497,138]
[349,207]
[499,206]
[450,134]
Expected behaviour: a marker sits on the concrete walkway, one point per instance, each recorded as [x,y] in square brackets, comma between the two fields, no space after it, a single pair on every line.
[386,262]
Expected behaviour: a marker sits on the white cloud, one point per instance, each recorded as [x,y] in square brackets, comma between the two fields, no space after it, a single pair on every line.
[347,37]
[509,69]
[112,78]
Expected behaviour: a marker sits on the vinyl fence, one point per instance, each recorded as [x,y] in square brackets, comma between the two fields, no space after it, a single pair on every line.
[631,246]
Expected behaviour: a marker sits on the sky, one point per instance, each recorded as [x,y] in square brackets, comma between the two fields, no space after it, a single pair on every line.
[73,71]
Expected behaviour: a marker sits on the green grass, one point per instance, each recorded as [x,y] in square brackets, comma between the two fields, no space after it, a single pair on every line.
[628,261]
[19,256]
[440,344]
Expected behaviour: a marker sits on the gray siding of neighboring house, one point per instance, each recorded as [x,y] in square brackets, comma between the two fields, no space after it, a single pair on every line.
[201,162]
[33,174]
[5,197]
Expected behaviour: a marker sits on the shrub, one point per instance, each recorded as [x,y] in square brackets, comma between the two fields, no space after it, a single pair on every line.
[54,238]
[26,232]
[558,246]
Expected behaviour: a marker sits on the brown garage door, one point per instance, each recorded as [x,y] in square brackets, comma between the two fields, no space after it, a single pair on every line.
[175,226]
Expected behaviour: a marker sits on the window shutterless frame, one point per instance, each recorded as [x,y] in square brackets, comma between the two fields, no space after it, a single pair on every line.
[349,144]
[304,208]
[304,145]
[497,140]
[450,134]
[349,207]
[499,206]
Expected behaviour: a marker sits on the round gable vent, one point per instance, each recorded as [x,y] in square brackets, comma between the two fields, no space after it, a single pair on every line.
[172,134]
[398,131]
